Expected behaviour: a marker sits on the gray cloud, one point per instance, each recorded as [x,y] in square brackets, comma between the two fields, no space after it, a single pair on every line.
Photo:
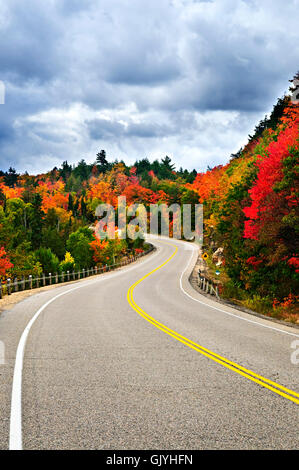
[183,77]
[104,129]
[30,37]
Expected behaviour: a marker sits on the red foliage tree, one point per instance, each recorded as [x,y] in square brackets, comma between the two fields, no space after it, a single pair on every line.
[5,264]
[264,200]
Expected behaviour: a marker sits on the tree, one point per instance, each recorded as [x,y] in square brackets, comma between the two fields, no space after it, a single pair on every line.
[5,264]
[83,207]
[167,163]
[49,261]
[294,89]
[142,166]
[167,168]
[78,244]
[25,261]
[36,221]
[68,264]
[82,170]
[54,241]
[102,162]
[2,198]
[262,194]
[11,177]
[107,251]
[17,217]
[70,206]
[272,121]
[65,171]
[190,177]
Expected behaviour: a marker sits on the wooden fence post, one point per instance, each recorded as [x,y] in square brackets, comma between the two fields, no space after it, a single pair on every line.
[62,276]
[68,275]
[16,286]
[1,292]
[8,286]
[30,281]
[44,279]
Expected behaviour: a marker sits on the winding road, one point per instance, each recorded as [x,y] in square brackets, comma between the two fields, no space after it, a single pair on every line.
[137,359]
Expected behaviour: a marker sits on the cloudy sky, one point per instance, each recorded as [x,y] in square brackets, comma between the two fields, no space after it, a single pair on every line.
[186,78]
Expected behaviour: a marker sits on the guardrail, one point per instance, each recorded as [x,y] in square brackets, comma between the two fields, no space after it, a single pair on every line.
[208,286]
[11,286]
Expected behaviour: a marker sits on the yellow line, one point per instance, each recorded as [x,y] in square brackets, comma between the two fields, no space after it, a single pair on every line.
[264,382]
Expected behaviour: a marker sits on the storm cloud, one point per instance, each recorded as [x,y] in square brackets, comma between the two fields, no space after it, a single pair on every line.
[185,78]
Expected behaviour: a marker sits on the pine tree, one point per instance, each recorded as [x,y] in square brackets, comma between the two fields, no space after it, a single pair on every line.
[11,177]
[102,162]
[36,222]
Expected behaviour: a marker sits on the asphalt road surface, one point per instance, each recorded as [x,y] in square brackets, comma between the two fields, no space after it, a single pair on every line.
[137,359]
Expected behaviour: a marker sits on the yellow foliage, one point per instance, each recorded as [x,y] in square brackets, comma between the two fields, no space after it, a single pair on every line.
[68,258]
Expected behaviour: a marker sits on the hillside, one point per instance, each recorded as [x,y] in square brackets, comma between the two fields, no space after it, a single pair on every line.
[251,211]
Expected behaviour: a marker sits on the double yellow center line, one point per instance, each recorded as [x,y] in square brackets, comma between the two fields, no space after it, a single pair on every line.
[249,374]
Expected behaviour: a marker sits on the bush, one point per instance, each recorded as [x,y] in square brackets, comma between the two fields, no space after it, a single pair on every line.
[68,264]
[231,291]
[259,304]
[25,262]
[48,260]
[78,245]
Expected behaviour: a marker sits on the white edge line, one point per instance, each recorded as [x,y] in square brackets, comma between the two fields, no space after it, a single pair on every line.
[15,429]
[229,313]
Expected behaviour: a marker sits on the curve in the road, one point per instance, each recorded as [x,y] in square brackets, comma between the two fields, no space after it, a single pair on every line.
[262,325]
[247,373]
